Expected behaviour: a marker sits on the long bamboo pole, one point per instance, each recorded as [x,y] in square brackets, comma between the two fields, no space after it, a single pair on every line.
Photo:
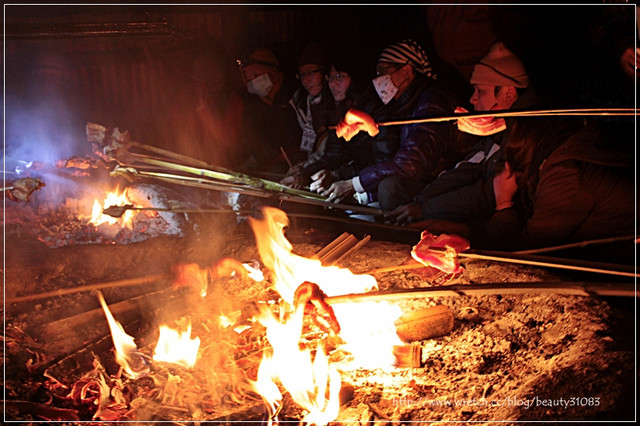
[148,279]
[516,113]
[575,288]
[579,244]
[236,178]
[204,183]
[549,262]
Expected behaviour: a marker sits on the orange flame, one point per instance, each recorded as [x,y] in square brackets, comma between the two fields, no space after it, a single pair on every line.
[113,198]
[173,346]
[367,329]
[313,382]
[177,347]
[126,350]
[291,270]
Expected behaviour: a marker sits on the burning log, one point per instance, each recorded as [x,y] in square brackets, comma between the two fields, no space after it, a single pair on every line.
[67,335]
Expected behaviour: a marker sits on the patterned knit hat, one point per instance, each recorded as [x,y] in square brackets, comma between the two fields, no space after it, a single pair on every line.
[500,68]
[407,52]
[261,56]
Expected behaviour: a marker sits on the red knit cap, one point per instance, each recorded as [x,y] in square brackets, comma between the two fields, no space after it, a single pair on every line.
[500,68]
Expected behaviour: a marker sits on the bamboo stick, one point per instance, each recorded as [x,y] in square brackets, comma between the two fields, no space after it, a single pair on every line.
[579,244]
[286,157]
[339,248]
[576,265]
[258,192]
[148,279]
[329,247]
[516,113]
[575,288]
[170,154]
[235,178]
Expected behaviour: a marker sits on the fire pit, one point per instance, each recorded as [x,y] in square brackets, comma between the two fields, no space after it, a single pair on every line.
[506,357]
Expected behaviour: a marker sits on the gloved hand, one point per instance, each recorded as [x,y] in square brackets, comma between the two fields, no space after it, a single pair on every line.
[481,126]
[353,122]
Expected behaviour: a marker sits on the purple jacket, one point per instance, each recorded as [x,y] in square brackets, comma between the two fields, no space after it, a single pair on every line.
[426,149]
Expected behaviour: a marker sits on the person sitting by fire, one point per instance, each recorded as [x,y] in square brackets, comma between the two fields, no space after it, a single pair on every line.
[562,182]
[344,83]
[394,162]
[269,123]
[500,82]
[312,102]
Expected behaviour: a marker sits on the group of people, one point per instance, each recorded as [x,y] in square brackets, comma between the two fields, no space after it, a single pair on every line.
[504,183]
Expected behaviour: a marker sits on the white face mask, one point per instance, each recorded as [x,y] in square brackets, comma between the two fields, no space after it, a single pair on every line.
[260,86]
[385,88]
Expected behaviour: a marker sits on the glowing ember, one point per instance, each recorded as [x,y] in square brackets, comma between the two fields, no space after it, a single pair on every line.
[113,198]
[176,347]
[127,355]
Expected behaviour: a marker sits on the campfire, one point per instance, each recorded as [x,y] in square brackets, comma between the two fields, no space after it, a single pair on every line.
[306,346]
[227,325]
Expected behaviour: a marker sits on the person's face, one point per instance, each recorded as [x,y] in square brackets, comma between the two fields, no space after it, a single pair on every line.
[339,82]
[399,74]
[487,98]
[311,77]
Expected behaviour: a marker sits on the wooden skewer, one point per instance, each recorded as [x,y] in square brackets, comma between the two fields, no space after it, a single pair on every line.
[538,113]
[555,287]
[579,244]
[596,267]
[286,157]
[514,113]
[100,286]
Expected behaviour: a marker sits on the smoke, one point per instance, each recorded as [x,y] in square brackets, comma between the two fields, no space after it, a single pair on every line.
[43,132]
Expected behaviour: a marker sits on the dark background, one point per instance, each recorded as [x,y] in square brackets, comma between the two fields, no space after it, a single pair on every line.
[129,64]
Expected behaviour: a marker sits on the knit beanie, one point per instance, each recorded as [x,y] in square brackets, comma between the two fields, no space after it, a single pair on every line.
[407,52]
[314,53]
[500,68]
[262,56]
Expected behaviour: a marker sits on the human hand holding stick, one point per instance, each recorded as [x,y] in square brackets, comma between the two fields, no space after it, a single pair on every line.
[355,121]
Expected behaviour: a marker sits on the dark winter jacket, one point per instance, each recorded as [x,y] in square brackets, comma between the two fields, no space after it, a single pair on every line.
[321,118]
[425,149]
[465,192]
[583,190]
